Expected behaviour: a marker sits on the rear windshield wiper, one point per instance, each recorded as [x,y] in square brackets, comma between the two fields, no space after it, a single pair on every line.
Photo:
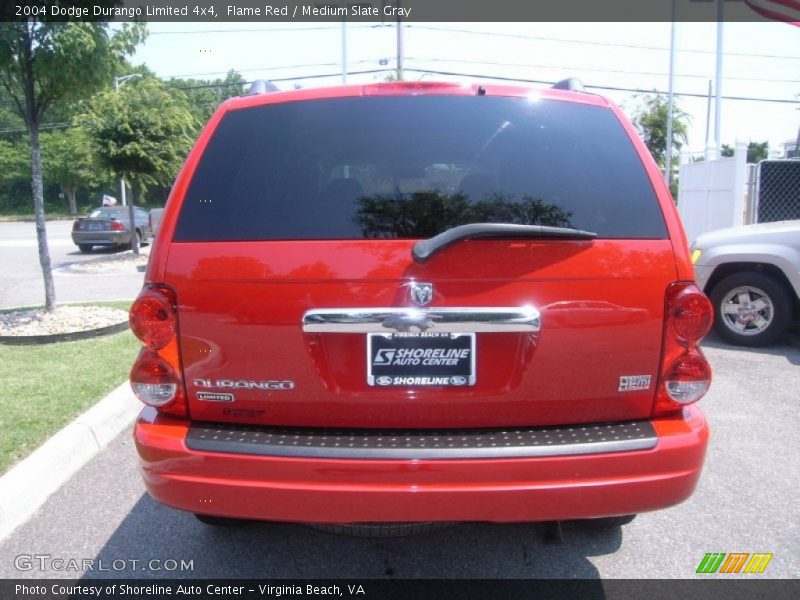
[424,249]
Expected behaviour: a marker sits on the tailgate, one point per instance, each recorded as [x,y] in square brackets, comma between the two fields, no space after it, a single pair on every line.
[593,355]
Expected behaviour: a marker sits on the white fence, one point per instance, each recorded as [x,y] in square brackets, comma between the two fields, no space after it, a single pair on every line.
[711,193]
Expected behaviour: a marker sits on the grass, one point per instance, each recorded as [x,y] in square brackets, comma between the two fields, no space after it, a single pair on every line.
[42,388]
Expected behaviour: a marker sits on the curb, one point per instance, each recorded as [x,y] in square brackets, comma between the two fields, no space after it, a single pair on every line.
[73,336]
[26,487]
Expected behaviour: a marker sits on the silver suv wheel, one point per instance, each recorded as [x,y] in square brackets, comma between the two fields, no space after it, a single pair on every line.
[751,308]
[747,310]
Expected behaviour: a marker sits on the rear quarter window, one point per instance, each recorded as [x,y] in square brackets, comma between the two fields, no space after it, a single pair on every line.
[413,166]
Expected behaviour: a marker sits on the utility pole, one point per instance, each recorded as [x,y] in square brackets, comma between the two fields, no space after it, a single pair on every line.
[670,101]
[718,76]
[344,52]
[708,113]
[399,47]
[118,81]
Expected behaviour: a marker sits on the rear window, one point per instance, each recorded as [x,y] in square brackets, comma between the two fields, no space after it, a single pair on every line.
[414,166]
[105,213]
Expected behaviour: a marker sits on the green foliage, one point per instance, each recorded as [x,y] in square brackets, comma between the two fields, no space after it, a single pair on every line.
[756,151]
[15,162]
[68,159]
[141,133]
[44,63]
[651,122]
[204,96]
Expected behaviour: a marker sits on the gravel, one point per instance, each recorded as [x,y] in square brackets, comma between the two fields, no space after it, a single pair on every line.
[120,261]
[64,319]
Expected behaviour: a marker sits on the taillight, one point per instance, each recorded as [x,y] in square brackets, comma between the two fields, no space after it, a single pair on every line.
[75,225]
[688,378]
[690,314]
[156,375]
[153,318]
[117,225]
[685,374]
[153,379]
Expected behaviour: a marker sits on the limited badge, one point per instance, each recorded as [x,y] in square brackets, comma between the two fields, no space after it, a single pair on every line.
[215,397]
[631,383]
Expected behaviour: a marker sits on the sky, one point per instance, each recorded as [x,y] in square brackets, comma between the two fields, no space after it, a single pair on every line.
[761,60]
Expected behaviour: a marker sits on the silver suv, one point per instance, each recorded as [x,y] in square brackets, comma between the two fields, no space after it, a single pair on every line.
[752,275]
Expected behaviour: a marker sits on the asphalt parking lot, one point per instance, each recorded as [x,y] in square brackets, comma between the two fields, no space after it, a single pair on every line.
[21,276]
[746,501]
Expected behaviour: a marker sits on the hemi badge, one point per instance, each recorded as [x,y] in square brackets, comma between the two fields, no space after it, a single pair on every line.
[214,397]
[632,383]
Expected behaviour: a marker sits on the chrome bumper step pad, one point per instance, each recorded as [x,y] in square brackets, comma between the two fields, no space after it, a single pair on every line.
[421,444]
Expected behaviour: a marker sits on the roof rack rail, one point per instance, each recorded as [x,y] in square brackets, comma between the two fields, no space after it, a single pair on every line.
[571,83]
[262,86]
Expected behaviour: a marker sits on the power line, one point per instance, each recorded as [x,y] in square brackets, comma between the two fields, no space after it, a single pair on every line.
[593,43]
[51,126]
[263,30]
[565,69]
[601,87]
[273,68]
[42,127]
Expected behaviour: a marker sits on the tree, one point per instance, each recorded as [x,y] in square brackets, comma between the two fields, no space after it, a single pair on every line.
[137,141]
[756,151]
[68,160]
[44,63]
[15,164]
[204,96]
[651,122]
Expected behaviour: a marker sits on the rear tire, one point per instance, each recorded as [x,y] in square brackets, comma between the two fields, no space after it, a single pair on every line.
[85,248]
[219,521]
[379,530]
[755,302]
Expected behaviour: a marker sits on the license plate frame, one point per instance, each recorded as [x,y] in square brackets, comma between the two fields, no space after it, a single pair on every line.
[455,369]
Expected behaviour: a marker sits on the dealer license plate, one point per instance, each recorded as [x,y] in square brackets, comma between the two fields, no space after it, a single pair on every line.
[415,359]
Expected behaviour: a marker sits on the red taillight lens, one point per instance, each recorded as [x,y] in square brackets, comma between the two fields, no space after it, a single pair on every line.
[117,225]
[688,378]
[685,374]
[152,317]
[690,314]
[153,379]
[156,375]
[75,226]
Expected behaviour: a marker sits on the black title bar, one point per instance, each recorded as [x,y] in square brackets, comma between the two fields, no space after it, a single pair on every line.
[379,11]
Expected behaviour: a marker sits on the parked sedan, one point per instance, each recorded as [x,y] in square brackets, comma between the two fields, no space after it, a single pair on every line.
[110,226]
[752,275]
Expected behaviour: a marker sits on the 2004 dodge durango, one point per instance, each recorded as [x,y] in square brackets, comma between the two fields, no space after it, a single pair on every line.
[408,303]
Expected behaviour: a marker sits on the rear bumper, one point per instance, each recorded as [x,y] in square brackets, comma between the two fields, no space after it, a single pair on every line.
[101,238]
[282,488]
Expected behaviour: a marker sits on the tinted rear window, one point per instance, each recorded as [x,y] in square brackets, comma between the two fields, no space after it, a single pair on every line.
[413,166]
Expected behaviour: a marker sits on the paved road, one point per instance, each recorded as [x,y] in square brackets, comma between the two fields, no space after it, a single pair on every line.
[21,276]
[746,502]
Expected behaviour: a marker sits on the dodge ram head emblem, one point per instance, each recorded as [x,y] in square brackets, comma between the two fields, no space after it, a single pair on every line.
[421,293]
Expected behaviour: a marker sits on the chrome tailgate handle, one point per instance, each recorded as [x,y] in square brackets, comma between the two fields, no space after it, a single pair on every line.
[523,319]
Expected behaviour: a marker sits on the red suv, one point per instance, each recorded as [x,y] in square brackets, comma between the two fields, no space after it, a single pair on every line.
[420,302]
